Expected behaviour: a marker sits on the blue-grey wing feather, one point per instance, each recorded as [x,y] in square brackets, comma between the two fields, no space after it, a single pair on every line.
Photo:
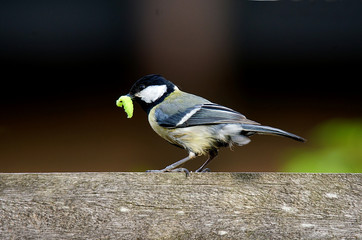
[201,114]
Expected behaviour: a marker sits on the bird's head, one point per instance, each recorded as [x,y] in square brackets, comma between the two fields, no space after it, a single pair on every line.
[150,90]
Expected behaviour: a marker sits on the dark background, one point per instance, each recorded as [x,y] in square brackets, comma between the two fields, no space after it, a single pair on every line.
[288,64]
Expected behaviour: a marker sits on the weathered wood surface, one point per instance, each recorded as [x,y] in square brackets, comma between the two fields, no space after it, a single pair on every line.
[171,206]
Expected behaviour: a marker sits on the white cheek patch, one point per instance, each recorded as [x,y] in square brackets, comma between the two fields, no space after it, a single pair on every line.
[152,93]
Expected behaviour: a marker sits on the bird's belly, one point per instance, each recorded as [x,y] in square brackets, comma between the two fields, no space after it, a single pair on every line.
[196,139]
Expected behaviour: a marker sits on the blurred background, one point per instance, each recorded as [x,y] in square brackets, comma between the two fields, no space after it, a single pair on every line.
[295,65]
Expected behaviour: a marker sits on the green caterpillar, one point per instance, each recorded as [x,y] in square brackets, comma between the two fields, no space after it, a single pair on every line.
[127,103]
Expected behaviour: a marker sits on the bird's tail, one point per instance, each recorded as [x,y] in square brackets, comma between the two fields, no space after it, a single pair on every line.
[252,129]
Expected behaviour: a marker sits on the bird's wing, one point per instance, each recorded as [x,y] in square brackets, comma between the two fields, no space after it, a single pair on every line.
[200,114]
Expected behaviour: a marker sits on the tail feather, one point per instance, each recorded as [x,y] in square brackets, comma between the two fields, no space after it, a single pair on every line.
[251,129]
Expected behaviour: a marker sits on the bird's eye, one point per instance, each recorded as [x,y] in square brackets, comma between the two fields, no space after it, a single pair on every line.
[142,86]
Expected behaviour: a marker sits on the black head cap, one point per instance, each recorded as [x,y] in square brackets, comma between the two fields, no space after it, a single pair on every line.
[150,90]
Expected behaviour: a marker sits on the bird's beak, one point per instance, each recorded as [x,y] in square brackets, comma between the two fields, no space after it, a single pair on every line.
[129,95]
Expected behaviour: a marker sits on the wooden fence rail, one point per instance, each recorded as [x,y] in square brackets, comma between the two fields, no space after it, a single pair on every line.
[173,206]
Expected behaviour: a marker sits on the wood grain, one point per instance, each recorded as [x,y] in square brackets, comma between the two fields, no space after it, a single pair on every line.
[172,206]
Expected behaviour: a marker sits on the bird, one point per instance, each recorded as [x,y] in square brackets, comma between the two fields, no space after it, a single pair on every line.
[192,122]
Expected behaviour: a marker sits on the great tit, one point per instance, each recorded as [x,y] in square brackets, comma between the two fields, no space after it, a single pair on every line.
[193,123]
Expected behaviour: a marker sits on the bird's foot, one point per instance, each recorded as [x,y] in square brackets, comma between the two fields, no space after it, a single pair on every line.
[187,172]
[203,170]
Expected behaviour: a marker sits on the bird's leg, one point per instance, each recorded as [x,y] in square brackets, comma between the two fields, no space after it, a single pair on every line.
[173,166]
[212,155]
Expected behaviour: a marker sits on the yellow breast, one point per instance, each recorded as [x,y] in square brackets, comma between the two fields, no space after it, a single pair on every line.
[197,139]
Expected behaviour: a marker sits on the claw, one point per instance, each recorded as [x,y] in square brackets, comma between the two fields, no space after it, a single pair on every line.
[187,172]
[203,170]
[155,171]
